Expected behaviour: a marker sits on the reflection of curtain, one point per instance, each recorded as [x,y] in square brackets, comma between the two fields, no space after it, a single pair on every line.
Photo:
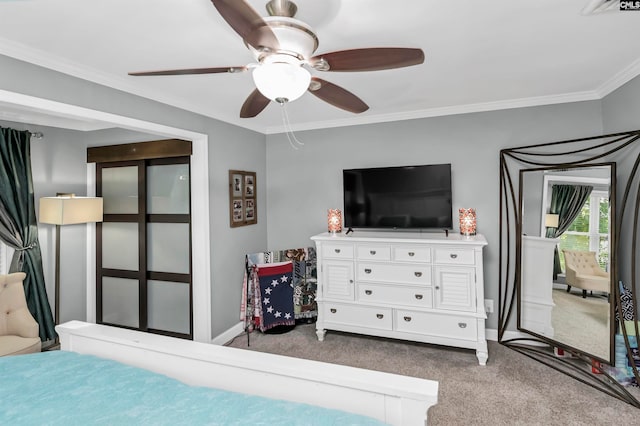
[18,228]
[566,202]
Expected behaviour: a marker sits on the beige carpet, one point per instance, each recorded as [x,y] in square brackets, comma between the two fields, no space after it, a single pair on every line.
[582,323]
[510,390]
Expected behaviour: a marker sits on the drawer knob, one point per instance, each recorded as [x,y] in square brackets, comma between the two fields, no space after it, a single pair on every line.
[336,250]
[418,274]
[419,296]
[407,319]
[350,281]
[372,252]
[367,271]
[333,310]
[437,287]
[462,324]
[380,316]
[368,292]
[453,255]
[411,254]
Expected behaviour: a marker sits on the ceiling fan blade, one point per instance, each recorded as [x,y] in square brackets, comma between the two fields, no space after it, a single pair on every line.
[191,71]
[371,59]
[247,23]
[255,103]
[337,96]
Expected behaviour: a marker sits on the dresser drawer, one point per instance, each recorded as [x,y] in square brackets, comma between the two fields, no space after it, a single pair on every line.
[454,256]
[373,252]
[396,295]
[337,251]
[426,323]
[418,274]
[361,316]
[412,254]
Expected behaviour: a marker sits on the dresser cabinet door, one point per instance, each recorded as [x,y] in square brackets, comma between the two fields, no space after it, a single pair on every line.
[455,288]
[338,280]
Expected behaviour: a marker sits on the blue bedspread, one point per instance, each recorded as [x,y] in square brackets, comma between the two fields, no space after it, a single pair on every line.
[65,388]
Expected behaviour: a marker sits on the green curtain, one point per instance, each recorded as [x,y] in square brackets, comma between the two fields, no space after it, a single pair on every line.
[567,202]
[18,227]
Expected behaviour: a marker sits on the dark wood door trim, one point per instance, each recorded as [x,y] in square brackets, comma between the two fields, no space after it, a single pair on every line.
[166,148]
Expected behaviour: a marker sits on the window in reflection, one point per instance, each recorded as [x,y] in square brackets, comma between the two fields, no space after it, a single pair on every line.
[590,230]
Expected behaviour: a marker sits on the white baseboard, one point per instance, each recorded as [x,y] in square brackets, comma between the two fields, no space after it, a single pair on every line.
[228,335]
[224,337]
[491,334]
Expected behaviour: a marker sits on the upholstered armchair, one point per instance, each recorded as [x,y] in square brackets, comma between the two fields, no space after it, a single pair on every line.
[584,272]
[18,329]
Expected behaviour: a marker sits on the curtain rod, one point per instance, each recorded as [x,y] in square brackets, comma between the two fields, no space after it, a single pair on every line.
[37,135]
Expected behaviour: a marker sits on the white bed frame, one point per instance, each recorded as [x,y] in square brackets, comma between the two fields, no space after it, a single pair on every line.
[394,399]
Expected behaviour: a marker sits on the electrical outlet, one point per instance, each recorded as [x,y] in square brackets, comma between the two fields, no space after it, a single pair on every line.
[488,306]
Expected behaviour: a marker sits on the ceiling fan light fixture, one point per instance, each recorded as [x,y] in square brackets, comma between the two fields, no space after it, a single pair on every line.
[295,38]
[281,78]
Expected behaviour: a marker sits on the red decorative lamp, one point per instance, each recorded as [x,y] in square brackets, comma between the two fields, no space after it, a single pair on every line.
[334,221]
[467,221]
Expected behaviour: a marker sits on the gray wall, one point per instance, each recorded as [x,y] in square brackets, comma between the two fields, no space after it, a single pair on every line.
[295,187]
[304,183]
[532,191]
[230,147]
[621,112]
[621,108]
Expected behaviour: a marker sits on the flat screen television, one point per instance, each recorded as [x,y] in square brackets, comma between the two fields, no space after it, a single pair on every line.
[406,197]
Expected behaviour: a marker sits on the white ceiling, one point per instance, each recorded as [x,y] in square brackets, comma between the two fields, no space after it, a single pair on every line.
[480,55]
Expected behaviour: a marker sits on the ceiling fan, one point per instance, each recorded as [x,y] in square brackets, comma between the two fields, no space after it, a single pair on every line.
[283,47]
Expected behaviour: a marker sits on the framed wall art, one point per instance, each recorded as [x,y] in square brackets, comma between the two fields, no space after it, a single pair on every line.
[242,198]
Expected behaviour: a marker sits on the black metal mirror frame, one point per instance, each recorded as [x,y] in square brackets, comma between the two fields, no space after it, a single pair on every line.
[623,149]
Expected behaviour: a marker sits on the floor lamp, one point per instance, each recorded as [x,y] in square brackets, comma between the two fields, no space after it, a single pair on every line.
[67,209]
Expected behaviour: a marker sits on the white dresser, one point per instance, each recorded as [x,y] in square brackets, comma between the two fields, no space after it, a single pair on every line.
[536,287]
[424,287]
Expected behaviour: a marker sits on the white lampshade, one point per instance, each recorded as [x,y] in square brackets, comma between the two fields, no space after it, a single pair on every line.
[280,78]
[551,220]
[68,210]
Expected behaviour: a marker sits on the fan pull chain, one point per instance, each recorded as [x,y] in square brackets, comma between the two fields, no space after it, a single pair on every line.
[287,126]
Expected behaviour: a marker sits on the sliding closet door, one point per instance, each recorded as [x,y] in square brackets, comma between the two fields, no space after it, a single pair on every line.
[120,256]
[168,247]
[144,246]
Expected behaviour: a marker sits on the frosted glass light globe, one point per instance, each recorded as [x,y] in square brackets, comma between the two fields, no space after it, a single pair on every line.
[281,81]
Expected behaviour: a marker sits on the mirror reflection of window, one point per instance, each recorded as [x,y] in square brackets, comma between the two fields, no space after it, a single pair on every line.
[590,230]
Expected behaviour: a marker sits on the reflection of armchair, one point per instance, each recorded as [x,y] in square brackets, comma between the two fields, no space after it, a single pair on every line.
[18,329]
[584,272]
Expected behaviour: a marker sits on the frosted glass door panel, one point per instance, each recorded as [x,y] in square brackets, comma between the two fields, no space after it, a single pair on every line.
[168,189]
[120,301]
[120,190]
[168,306]
[168,247]
[120,245]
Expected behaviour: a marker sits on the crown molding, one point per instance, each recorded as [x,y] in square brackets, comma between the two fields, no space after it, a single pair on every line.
[443,111]
[27,54]
[619,79]
[43,59]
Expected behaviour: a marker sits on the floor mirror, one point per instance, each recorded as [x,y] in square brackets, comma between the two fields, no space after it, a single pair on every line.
[569,219]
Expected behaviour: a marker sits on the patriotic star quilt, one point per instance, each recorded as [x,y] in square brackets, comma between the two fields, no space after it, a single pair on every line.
[276,294]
